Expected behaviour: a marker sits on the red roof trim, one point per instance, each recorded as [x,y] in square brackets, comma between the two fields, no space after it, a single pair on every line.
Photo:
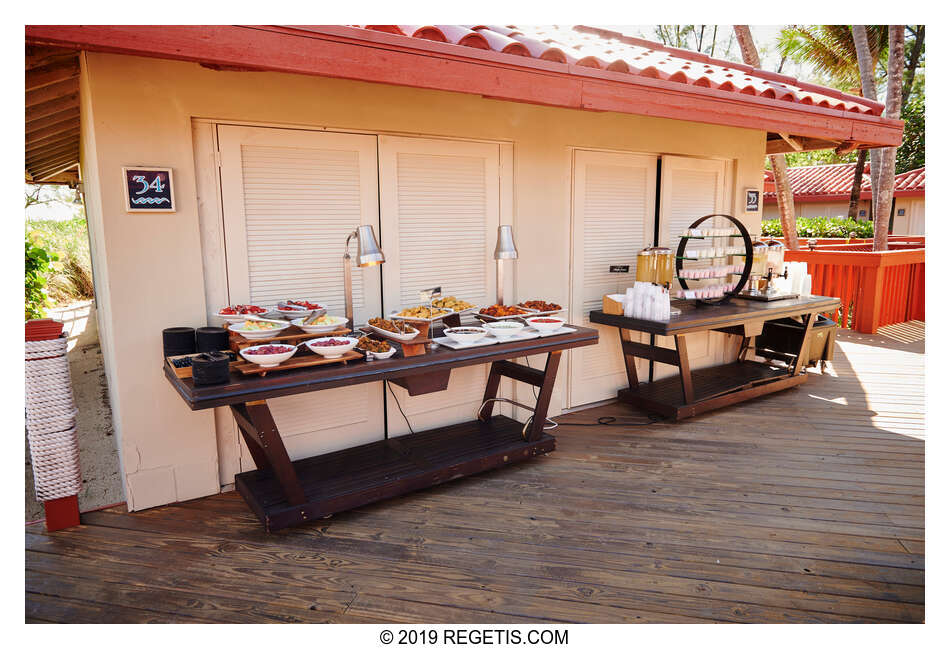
[377,56]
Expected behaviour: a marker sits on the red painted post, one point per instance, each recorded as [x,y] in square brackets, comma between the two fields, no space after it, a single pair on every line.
[61,513]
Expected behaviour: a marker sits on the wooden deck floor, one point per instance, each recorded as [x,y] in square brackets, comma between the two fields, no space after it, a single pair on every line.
[805,506]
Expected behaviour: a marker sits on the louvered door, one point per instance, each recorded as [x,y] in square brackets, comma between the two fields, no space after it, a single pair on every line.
[613,212]
[691,188]
[439,209]
[290,197]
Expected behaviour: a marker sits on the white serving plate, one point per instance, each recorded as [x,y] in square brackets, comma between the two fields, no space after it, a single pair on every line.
[256,335]
[539,313]
[557,332]
[392,335]
[319,329]
[492,318]
[451,344]
[267,360]
[525,334]
[393,316]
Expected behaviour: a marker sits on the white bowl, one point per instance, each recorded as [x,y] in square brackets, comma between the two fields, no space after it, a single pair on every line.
[503,328]
[455,333]
[381,356]
[393,335]
[268,360]
[334,351]
[545,327]
[239,317]
[338,320]
[237,327]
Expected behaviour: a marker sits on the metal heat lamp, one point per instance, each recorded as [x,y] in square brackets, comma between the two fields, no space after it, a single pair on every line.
[367,254]
[504,249]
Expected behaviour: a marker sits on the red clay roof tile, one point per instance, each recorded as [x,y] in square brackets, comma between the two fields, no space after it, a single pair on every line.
[833,182]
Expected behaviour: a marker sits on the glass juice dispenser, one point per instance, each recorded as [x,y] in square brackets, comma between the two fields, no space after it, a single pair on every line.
[760,251]
[646,265]
[664,265]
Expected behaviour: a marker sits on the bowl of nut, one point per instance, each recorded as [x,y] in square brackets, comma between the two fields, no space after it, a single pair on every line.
[331,346]
[375,349]
[394,329]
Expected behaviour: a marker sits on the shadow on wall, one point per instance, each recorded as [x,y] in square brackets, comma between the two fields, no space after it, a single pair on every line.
[98,458]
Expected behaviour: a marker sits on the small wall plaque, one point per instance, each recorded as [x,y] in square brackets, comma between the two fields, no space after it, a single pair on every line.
[901,212]
[625,268]
[148,189]
[752,200]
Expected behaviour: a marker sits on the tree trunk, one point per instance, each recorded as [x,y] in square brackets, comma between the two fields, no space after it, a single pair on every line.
[856,185]
[892,109]
[869,91]
[912,65]
[783,189]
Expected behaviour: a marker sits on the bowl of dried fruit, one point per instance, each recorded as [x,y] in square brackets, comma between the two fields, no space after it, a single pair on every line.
[331,346]
[375,349]
[268,355]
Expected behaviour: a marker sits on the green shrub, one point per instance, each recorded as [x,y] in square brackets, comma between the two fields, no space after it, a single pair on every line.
[822,228]
[37,264]
[68,280]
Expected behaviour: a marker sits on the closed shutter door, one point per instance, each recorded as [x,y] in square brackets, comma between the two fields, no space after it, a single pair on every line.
[613,212]
[690,189]
[290,198]
[439,208]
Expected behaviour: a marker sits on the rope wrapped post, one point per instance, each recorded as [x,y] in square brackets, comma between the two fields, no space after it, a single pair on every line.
[51,426]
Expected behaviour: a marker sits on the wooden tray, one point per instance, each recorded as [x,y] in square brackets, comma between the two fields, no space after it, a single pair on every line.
[186,373]
[290,336]
[294,362]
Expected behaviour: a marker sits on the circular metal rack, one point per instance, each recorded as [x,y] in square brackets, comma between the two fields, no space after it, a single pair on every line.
[746,271]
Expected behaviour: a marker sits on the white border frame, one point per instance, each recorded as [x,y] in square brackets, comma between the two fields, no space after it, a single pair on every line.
[128,200]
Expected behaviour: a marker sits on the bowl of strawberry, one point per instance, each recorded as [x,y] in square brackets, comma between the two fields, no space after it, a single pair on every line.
[331,346]
[238,312]
[268,355]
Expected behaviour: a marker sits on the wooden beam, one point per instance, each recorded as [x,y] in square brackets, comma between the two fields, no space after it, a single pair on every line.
[52,92]
[56,120]
[773,147]
[39,55]
[64,162]
[47,147]
[40,163]
[61,129]
[351,53]
[845,148]
[793,142]
[52,107]
[49,174]
[49,74]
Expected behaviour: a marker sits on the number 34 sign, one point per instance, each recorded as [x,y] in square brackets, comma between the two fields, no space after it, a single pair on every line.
[148,189]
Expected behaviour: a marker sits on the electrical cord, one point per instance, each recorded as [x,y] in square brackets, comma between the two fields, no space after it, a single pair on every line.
[411,431]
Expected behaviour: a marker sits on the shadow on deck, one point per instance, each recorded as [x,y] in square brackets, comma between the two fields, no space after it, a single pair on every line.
[804,506]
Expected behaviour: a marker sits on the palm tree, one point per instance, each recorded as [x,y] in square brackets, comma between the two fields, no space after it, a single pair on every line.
[783,189]
[892,109]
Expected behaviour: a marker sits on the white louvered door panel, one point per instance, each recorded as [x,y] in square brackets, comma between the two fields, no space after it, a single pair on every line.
[613,211]
[439,209]
[689,189]
[290,197]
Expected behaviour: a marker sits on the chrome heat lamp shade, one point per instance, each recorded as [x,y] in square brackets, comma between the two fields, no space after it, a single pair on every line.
[504,249]
[367,254]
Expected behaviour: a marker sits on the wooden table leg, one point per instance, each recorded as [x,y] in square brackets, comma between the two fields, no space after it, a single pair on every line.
[808,319]
[544,397]
[491,391]
[686,377]
[267,448]
[630,362]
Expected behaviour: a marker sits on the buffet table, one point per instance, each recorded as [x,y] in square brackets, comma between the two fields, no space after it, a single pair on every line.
[697,391]
[283,493]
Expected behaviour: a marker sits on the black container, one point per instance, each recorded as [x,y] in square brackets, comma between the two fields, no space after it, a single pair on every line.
[784,336]
[210,368]
[178,340]
[211,339]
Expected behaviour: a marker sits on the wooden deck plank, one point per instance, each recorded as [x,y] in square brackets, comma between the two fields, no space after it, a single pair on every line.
[803,506]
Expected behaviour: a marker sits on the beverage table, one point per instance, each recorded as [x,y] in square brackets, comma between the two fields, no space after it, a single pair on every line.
[696,391]
[283,493]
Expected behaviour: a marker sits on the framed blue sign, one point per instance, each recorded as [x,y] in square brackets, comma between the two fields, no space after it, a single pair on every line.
[148,189]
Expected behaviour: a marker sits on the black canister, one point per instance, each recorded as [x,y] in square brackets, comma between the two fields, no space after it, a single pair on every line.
[178,340]
[210,368]
[211,339]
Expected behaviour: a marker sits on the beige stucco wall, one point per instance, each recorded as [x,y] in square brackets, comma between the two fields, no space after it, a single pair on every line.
[149,266]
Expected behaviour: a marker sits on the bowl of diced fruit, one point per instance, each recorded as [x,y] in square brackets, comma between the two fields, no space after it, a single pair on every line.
[320,324]
[238,312]
[268,355]
[331,346]
[257,329]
